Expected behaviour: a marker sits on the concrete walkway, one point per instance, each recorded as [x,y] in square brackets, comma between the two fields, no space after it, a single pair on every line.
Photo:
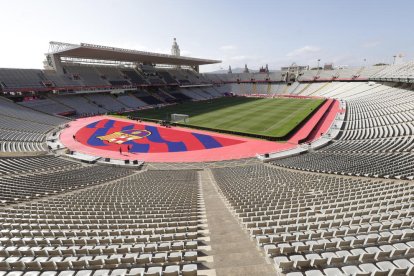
[232,250]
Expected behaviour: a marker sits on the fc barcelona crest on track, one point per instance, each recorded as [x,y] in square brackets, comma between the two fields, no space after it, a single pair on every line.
[121,137]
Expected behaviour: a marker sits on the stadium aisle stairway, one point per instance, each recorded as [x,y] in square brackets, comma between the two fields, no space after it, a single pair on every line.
[232,250]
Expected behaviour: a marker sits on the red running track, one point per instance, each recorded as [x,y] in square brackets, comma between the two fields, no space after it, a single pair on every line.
[242,148]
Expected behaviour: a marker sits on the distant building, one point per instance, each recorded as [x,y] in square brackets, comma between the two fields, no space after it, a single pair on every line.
[292,72]
[294,68]
[264,69]
[328,66]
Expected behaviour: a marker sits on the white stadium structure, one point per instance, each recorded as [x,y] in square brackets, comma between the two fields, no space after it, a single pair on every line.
[342,207]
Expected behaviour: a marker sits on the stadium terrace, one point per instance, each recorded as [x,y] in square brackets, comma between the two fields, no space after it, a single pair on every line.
[122,162]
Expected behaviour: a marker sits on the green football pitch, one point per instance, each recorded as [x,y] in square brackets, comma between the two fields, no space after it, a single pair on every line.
[264,117]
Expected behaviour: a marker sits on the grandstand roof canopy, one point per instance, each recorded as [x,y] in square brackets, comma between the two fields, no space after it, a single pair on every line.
[98,52]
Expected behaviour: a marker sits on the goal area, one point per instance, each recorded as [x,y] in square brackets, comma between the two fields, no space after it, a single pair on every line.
[180,118]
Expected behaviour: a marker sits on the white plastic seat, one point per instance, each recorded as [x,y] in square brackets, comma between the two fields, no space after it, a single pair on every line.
[314,273]
[300,261]
[15,273]
[84,273]
[119,272]
[294,274]
[373,269]
[350,270]
[190,256]
[67,273]
[49,273]
[154,271]
[171,270]
[392,268]
[333,271]
[137,271]
[32,273]
[283,263]
[102,272]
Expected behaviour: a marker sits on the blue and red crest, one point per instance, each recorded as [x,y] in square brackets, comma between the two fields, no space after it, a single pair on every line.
[123,136]
[111,134]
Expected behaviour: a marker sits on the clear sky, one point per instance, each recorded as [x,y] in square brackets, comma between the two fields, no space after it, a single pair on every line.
[255,32]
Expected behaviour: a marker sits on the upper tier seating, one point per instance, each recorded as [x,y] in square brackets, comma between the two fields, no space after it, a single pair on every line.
[401,72]
[133,76]
[21,78]
[62,80]
[167,77]
[113,75]
[89,75]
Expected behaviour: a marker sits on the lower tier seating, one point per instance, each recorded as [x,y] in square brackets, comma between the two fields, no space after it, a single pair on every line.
[313,224]
[145,223]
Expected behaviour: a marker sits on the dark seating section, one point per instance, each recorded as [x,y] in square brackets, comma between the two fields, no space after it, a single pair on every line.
[147,98]
[48,106]
[167,77]
[134,77]
[180,96]
[24,130]
[21,78]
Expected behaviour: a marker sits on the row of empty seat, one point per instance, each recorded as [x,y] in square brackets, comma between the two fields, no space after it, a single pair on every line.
[313,224]
[144,224]
[23,129]
[59,177]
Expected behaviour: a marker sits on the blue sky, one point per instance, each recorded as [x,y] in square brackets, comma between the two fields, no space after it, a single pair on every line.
[235,31]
